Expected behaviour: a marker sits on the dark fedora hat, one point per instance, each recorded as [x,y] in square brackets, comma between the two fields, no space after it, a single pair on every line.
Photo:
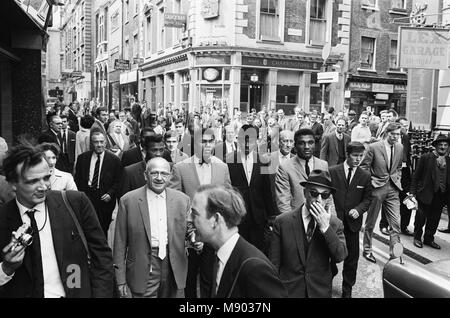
[320,178]
[439,138]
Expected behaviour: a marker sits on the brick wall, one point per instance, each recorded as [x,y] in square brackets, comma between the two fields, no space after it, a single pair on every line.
[295,18]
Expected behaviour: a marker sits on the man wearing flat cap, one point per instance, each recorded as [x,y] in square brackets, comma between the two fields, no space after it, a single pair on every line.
[307,240]
[430,185]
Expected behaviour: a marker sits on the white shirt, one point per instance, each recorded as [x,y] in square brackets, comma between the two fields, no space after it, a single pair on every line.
[339,136]
[282,158]
[247,163]
[158,218]
[53,286]
[92,167]
[388,151]
[346,167]
[361,134]
[203,171]
[310,163]
[223,254]
[306,216]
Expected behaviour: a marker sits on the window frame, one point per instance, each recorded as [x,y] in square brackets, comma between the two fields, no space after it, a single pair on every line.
[328,14]
[281,22]
[373,66]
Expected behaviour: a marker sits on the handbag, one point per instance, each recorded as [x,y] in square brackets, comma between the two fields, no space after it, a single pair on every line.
[79,228]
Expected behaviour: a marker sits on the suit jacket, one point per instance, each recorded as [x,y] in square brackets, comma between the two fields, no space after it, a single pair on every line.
[185,177]
[131,156]
[424,178]
[406,171]
[317,128]
[6,191]
[132,239]
[306,273]
[110,173]
[96,281]
[376,161]
[71,142]
[132,178]
[289,192]
[73,121]
[356,196]
[274,163]
[49,136]
[257,195]
[330,148]
[257,277]
[178,156]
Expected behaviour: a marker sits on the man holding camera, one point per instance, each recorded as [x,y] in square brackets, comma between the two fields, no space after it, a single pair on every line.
[55,262]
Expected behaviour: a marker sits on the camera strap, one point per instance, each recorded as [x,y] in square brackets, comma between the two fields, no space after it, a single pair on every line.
[77,224]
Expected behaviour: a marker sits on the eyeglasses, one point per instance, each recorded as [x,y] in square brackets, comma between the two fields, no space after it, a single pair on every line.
[155,174]
[315,194]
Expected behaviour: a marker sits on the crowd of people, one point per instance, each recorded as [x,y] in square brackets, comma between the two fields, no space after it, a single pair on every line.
[170,203]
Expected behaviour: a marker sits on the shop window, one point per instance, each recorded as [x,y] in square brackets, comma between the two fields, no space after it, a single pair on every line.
[393,56]
[367,53]
[214,95]
[287,94]
[172,89]
[153,93]
[317,22]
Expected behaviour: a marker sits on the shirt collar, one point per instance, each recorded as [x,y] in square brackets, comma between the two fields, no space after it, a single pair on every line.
[154,195]
[94,154]
[226,249]
[305,212]
[40,207]
[387,144]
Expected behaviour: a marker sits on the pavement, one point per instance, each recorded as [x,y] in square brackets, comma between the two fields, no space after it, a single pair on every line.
[369,283]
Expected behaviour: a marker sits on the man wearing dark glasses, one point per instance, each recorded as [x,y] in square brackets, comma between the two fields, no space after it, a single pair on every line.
[352,199]
[304,259]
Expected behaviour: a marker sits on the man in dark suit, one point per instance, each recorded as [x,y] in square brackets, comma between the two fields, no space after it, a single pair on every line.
[431,187]
[133,175]
[136,154]
[317,129]
[223,148]
[240,269]
[383,160]
[307,241]
[405,213]
[352,199]
[334,145]
[72,116]
[98,173]
[101,122]
[56,264]
[352,121]
[251,178]
[68,138]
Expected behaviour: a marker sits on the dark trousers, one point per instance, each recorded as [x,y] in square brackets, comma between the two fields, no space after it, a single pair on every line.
[429,215]
[405,214]
[103,209]
[202,264]
[351,261]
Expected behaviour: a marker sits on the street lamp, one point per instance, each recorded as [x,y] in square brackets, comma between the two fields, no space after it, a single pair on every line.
[254,77]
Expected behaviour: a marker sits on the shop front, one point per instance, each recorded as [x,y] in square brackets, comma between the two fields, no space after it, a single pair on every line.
[377,96]
[128,88]
[114,90]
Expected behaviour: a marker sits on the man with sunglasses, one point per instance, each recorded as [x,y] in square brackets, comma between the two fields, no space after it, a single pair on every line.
[351,200]
[306,241]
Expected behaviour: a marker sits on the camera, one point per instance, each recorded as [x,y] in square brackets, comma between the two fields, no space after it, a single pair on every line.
[22,236]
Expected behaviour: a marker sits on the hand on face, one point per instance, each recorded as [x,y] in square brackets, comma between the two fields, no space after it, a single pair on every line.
[321,216]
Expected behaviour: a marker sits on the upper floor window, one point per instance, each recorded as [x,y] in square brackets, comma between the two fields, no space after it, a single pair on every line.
[367,53]
[317,22]
[369,3]
[126,9]
[393,61]
[269,22]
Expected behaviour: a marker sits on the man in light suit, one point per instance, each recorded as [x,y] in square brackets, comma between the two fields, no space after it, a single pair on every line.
[352,199]
[150,233]
[383,160]
[289,192]
[187,176]
[334,145]
[240,269]
[56,264]
[308,240]
[100,123]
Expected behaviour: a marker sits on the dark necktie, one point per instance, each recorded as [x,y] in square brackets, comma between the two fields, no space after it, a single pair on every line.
[63,144]
[310,229]
[36,257]
[349,175]
[96,173]
[214,277]
[307,167]
[392,158]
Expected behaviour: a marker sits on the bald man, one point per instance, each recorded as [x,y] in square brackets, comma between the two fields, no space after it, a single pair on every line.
[149,242]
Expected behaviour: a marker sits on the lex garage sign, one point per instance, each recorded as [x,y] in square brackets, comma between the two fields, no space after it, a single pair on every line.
[423,48]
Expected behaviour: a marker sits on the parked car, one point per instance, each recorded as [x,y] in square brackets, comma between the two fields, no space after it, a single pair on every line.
[410,279]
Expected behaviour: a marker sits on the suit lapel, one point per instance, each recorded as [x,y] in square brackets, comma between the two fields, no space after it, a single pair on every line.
[170,207]
[335,143]
[229,272]
[195,174]
[300,168]
[58,227]
[383,151]
[143,208]
[298,230]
